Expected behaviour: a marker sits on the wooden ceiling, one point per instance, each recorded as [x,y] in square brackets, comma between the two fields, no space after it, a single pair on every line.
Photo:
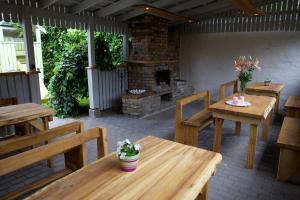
[123,10]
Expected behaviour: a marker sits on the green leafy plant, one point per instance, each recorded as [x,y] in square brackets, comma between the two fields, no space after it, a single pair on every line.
[69,82]
[65,60]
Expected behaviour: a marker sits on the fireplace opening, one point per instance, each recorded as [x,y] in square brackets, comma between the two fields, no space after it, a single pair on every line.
[162,77]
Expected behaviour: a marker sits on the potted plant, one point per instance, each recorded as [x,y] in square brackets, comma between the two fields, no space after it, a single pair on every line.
[128,154]
[245,67]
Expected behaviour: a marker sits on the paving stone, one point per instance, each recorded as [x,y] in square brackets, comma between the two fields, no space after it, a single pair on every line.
[232,180]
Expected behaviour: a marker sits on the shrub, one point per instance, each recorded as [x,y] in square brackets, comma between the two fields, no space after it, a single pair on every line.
[69,82]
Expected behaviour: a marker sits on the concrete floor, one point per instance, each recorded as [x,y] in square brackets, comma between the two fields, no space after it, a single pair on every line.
[232,180]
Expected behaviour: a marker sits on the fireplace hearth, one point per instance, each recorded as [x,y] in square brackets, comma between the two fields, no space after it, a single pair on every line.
[152,65]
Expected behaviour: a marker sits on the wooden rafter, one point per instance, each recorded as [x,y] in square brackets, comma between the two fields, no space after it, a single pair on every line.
[134,13]
[247,6]
[84,5]
[115,7]
[46,3]
[188,4]
[162,13]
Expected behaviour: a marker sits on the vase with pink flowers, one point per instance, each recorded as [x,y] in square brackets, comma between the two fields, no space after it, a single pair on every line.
[245,66]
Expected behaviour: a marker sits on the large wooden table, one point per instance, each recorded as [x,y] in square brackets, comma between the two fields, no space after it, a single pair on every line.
[26,117]
[292,107]
[258,112]
[28,114]
[272,90]
[166,170]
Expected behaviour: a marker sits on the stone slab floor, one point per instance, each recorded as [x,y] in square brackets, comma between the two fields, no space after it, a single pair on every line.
[232,180]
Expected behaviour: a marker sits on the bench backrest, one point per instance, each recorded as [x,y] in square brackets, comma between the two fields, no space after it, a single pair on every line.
[73,148]
[8,101]
[187,100]
[20,142]
[224,86]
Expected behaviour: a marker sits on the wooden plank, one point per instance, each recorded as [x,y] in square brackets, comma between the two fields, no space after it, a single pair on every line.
[36,185]
[289,136]
[186,170]
[19,89]
[20,142]
[27,158]
[3,87]
[34,87]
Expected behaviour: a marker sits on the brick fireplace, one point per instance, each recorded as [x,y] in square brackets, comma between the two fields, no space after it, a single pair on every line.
[152,64]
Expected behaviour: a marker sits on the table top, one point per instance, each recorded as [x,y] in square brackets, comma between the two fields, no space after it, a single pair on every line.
[259,109]
[261,87]
[166,170]
[289,136]
[23,112]
[292,102]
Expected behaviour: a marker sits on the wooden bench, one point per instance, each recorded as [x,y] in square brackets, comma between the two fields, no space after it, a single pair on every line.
[73,148]
[187,130]
[289,143]
[222,95]
[292,107]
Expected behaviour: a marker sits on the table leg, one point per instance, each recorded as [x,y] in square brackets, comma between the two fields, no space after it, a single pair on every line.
[238,128]
[46,127]
[252,145]
[266,126]
[204,193]
[218,134]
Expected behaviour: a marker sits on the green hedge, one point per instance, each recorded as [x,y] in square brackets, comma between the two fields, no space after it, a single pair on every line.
[65,60]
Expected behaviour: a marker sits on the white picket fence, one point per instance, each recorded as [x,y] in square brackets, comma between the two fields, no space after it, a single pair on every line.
[9,50]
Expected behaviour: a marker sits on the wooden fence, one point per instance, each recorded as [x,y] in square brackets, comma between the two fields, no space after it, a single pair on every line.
[10,50]
[106,87]
[23,86]
[280,15]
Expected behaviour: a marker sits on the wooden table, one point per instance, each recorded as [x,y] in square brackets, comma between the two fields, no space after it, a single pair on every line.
[273,90]
[26,117]
[292,107]
[166,170]
[258,112]
[29,113]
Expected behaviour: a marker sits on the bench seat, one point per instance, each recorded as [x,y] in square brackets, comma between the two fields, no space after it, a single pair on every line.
[199,119]
[289,143]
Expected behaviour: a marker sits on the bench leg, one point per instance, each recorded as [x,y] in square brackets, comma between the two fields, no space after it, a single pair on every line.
[252,145]
[190,135]
[218,134]
[266,125]
[204,193]
[277,103]
[288,165]
[46,127]
[238,128]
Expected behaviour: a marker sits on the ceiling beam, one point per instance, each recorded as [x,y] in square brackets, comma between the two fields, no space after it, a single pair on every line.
[134,13]
[84,5]
[115,7]
[188,5]
[204,9]
[46,3]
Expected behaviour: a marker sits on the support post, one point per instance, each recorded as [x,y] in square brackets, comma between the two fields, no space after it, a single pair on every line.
[125,46]
[28,41]
[92,72]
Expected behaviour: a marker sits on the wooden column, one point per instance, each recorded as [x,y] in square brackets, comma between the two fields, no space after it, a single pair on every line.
[28,41]
[125,46]
[92,72]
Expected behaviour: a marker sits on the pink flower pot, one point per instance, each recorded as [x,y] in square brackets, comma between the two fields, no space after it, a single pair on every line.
[129,163]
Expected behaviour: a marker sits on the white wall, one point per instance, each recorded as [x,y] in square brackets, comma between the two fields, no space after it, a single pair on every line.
[206,60]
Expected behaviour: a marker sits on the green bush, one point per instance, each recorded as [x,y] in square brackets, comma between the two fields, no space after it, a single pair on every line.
[65,60]
[69,82]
